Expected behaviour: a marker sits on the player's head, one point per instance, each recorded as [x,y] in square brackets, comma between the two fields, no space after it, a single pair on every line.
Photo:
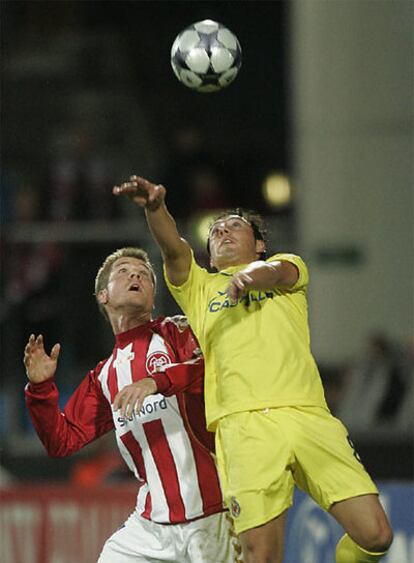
[236,237]
[125,279]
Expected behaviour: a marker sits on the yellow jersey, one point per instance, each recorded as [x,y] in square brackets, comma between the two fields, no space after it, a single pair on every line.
[257,351]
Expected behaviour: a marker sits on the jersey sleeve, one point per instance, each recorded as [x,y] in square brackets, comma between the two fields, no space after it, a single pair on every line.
[86,416]
[187,373]
[190,294]
[303,278]
[183,377]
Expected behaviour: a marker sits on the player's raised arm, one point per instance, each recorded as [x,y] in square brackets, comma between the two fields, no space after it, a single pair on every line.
[175,250]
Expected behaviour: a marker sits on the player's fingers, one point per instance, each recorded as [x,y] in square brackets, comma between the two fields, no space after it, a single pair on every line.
[140,181]
[29,344]
[138,403]
[39,344]
[156,193]
[127,188]
[126,402]
[130,405]
[122,405]
[115,404]
[239,283]
[140,395]
[26,360]
[243,279]
[120,401]
[137,399]
[233,292]
[54,354]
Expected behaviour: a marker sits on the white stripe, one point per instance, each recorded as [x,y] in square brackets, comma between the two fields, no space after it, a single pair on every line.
[142,497]
[103,378]
[128,458]
[122,365]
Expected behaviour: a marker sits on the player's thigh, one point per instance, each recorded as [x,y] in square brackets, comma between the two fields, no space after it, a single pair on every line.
[327,466]
[212,540]
[139,541]
[265,543]
[364,519]
[254,459]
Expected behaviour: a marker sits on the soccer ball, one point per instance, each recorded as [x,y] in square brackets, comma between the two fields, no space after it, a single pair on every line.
[206,56]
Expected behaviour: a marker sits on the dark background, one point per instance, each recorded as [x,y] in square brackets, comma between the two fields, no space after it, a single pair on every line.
[88,98]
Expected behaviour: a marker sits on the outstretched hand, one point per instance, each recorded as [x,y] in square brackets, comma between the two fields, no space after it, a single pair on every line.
[142,191]
[131,398]
[40,366]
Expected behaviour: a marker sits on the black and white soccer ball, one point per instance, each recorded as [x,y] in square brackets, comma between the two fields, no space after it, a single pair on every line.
[206,56]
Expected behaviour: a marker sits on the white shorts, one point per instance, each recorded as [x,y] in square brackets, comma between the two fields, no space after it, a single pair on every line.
[206,540]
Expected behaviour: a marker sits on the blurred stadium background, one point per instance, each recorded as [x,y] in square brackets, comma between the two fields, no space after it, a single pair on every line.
[316,133]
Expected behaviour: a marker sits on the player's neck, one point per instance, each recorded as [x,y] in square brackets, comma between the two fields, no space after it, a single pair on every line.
[236,261]
[123,323]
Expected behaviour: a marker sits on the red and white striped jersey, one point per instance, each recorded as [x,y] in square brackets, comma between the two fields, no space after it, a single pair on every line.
[165,444]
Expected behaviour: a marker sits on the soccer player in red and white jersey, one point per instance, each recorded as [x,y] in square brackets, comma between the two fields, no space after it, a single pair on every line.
[150,391]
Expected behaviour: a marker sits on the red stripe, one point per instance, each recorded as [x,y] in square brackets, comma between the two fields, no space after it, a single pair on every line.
[140,350]
[112,382]
[148,507]
[207,478]
[134,449]
[164,461]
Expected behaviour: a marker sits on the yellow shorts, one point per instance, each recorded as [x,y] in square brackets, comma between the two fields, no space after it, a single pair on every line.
[261,455]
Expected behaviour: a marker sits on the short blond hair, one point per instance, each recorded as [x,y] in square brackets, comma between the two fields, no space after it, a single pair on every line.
[102,277]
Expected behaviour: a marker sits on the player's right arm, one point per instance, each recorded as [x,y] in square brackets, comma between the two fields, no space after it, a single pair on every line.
[87,414]
[175,250]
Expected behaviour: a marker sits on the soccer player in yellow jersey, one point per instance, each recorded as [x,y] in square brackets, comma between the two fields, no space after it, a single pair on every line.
[264,396]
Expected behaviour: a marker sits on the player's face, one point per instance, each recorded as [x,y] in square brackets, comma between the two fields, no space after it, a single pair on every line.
[232,242]
[130,287]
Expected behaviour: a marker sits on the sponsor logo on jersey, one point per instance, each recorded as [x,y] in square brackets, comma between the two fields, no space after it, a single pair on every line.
[156,361]
[221,300]
[148,408]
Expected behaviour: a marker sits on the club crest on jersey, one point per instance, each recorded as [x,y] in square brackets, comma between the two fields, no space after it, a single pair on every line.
[156,361]
[234,507]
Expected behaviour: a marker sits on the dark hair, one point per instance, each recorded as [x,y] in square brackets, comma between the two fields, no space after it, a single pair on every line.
[252,217]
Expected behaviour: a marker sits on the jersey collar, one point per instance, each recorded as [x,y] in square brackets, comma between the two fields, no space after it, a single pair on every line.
[232,269]
[124,338]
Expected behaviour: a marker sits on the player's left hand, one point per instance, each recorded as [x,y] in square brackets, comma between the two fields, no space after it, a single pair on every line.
[238,286]
[131,397]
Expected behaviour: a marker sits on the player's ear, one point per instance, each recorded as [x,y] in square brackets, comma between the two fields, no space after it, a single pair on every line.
[103,297]
[260,246]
